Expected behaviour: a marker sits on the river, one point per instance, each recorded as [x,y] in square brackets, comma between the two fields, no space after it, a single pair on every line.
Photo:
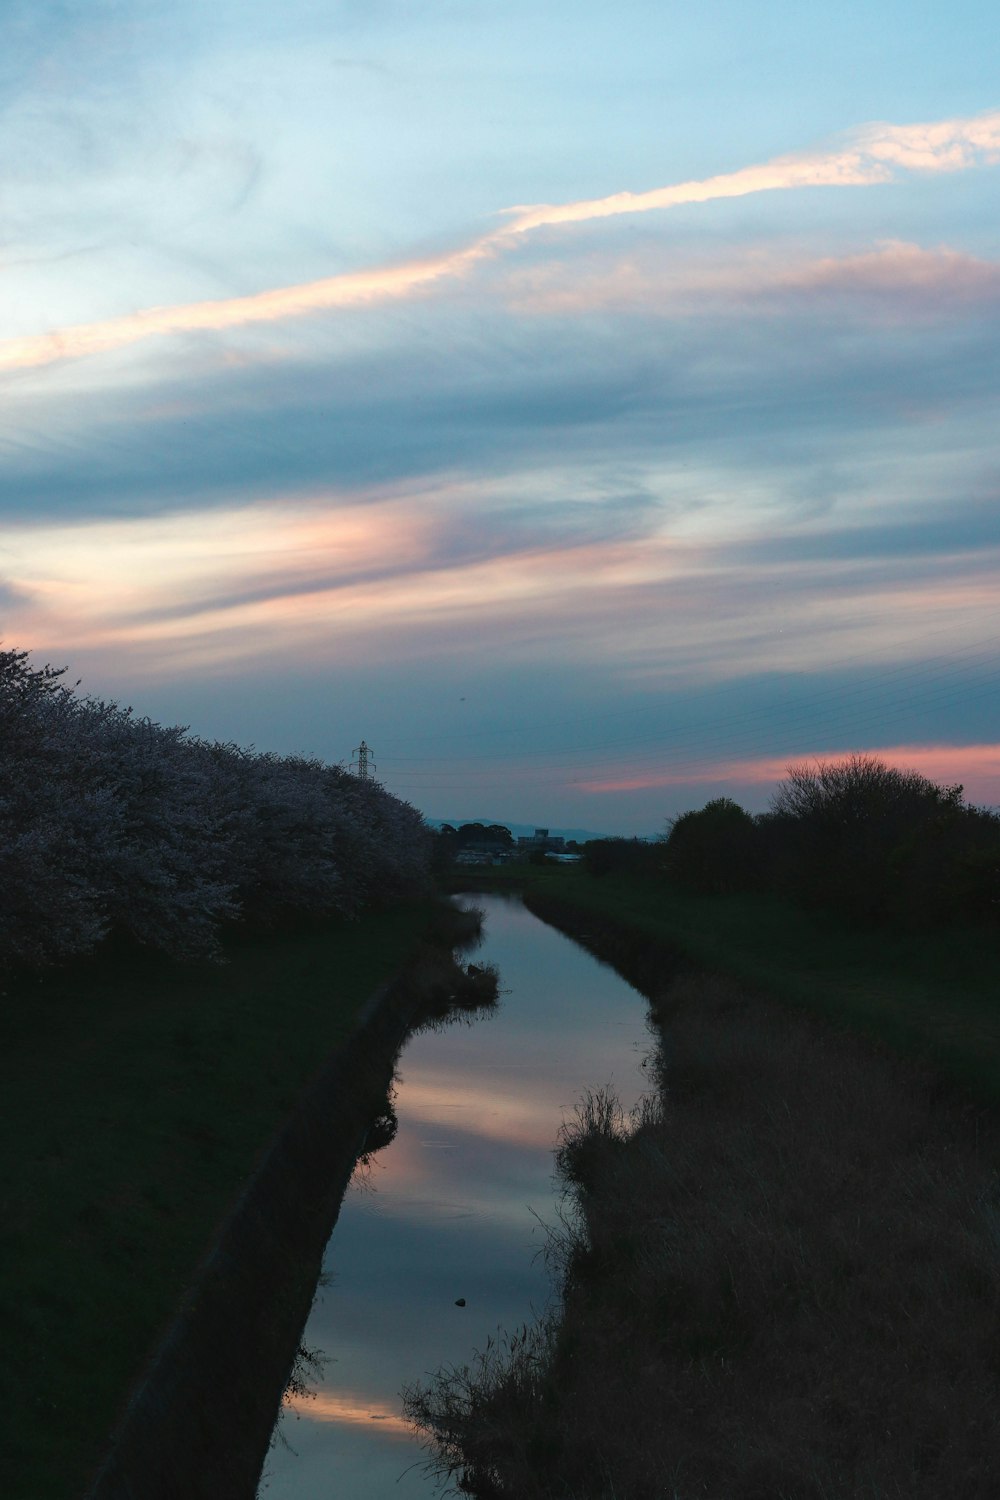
[451,1209]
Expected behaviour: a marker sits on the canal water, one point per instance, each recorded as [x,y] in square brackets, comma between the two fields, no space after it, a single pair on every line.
[454,1207]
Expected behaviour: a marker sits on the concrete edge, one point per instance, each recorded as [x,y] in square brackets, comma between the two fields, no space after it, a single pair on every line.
[199,1421]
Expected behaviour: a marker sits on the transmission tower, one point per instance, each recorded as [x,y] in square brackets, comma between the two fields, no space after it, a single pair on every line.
[364,765]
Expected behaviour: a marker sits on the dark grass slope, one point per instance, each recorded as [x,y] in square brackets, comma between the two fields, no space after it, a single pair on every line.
[200,1421]
[137,1097]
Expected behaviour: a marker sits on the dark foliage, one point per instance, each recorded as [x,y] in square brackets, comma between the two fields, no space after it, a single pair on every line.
[880,844]
[714,850]
[447,841]
[858,837]
[622,857]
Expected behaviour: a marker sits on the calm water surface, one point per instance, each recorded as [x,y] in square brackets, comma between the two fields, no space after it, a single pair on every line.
[452,1206]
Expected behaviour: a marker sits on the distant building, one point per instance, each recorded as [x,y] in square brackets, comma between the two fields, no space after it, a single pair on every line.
[540,839]
[484,852]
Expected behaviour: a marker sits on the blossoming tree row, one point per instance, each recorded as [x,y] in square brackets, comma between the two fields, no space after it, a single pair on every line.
[111,823]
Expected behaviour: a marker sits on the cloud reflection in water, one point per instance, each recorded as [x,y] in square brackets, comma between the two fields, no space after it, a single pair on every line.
[452,1208]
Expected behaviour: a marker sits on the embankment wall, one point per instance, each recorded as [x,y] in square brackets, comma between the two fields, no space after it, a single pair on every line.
[199,1422]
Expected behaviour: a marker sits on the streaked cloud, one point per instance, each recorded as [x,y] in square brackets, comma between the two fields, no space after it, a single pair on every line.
[867,156]
[499,1115]
[712,465]
[349,1409]
[350,290]
[976,767]
[895,279]
[202,581]
[870,156]
[451,569]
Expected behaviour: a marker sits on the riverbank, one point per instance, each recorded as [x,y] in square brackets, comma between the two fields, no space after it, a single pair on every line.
[139,1096]
[930,995]
[438,1247]
[781,1280]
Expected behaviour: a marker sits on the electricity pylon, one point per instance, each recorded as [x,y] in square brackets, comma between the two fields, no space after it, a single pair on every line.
[363,763]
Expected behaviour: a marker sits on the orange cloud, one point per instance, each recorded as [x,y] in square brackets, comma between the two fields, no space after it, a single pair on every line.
[351,1411]
[977,767]
[871,155]
[353,289]
[215,585]
[290,579]
[867,156]
[498,1115]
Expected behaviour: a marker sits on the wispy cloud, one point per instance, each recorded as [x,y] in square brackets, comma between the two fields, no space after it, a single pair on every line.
[350,1410]
[871,155]
[353,289]
[255,579]
[610,579]
[902,278]
[500,1114]
[902,269]
[977,767]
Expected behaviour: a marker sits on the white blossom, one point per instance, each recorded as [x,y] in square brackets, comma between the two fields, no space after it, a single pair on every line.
[112,823]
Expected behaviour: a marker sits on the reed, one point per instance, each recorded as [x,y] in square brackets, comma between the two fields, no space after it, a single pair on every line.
[780,1280]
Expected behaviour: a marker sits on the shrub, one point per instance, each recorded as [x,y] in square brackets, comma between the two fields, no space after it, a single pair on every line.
[622,856]
[879,843]
[715,850]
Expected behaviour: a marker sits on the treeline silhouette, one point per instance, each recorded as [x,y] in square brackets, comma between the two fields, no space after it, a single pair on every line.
[112,824]
[857,837]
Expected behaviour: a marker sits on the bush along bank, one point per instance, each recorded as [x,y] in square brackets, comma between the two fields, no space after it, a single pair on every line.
[877,845]
[780,1279]
[199,1421]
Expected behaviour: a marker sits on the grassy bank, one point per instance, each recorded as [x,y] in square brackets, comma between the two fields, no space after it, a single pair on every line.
[781,1281]
[931,994]
[137,1096]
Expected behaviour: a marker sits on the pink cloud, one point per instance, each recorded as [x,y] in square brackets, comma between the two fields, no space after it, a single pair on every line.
[904,278]
[317,578]
[498,1114]
[976,767]
[899,269]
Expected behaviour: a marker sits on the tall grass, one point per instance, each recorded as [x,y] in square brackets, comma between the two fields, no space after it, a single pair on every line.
[780,1281]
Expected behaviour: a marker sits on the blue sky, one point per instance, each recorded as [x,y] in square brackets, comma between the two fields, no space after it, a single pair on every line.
[347,392]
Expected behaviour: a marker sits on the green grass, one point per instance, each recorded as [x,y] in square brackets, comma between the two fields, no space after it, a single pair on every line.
[934,994]
[137,1096]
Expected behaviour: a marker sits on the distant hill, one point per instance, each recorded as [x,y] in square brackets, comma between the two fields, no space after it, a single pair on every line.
[581,835]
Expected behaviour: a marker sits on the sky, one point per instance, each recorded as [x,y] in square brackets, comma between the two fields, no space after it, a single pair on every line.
[593,409]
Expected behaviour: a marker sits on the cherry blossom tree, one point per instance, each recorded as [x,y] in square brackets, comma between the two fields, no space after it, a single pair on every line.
[112,823]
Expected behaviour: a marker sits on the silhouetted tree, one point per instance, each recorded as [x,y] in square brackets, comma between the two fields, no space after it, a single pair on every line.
[713,850]
[879,843]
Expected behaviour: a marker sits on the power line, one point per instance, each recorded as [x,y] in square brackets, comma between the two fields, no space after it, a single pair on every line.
[524,728]
[952,679]
[757,737]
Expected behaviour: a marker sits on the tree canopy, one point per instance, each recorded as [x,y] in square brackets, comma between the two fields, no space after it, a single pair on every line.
[112,823]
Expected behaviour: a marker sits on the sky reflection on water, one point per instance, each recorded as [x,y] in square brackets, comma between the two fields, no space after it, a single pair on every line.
[452,1207]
